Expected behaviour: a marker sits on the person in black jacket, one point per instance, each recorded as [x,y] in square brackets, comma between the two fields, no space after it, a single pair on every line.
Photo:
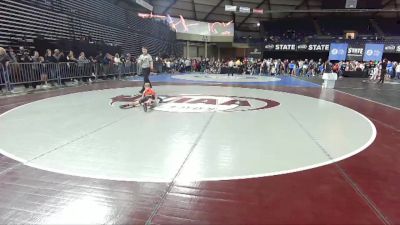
[383,71]
[98,64]
[50,66]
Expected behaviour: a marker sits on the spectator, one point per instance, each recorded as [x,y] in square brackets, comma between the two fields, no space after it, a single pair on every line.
[187,65]
[12,55]
[231,64]
[4,62]
[43,72]
[118,65]
[36,75]
[127,62]
[98,64]
[84,67]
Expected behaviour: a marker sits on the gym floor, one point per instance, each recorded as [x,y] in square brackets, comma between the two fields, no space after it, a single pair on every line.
[218,150]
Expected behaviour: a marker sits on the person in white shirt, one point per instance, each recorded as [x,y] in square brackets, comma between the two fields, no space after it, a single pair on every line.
[168,65]
[398,70]
[118,65]
[231,64]
[188,65]
[375,72]
[269,67]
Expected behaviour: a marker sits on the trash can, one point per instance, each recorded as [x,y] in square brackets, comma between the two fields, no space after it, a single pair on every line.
[329,80]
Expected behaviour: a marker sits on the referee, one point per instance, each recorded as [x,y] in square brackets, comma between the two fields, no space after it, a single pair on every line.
[383,71]
[146,63]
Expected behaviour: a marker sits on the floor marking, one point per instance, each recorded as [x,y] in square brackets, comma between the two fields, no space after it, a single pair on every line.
[27,162]
[173,182]
[380,103]
[346,177]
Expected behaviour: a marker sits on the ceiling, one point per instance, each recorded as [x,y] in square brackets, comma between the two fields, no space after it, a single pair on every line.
[214,10]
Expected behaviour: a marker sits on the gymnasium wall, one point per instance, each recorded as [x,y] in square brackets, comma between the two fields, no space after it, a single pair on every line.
[24,20]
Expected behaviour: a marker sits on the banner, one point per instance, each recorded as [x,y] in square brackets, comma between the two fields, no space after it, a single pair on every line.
[258,11]
[243,9]
[230,8]
[373,52]
[182,25]
[313,47]
[391,48]
[355,52]
[144,4]
[318,47]
[298,47]
[285,47]
[338,51]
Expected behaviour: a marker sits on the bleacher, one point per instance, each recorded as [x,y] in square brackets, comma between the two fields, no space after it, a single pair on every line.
[390,27]
[24,20]
[304,26]
[337,26]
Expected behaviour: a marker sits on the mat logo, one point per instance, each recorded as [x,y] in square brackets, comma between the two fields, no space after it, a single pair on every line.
[199,103]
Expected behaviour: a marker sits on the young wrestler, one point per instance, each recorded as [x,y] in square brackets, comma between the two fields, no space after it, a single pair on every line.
[149,97]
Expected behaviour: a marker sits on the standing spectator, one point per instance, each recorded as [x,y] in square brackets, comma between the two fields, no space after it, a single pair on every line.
[128,64]
[398,70]
[4,62]
[71,57]
[188,65]
[231,64]
[392,71]
[84,67]
[49,66]
[107,62]
[168,65]
[375,72]
[159,64]
[72,66]
[134,65]
[25,68]
[12,55]
[194,63]
[146,63]
[36,75]
[61,69]
[118,65]
[98,69]
[48,57]
[43,72]
[59,56]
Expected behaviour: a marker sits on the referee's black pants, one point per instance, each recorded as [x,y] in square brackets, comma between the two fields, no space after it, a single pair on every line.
[146,74]
[382,78]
